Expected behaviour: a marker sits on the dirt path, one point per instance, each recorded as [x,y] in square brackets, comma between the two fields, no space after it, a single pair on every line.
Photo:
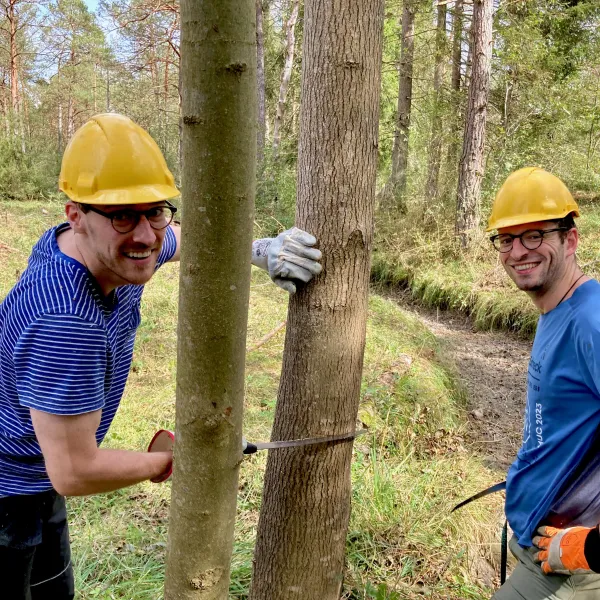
[493,369]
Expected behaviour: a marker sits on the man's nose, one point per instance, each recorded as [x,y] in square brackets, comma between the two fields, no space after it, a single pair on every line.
[518,251]
[143,232]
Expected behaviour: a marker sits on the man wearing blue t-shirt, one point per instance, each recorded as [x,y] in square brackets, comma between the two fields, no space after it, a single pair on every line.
[553,486]
[67,330]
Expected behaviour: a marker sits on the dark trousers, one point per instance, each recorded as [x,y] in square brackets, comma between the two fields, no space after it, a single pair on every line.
[35,554]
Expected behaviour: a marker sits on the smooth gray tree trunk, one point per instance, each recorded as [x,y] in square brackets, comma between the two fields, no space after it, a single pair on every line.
[218,64]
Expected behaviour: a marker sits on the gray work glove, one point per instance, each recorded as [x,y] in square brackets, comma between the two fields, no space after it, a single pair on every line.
[288,258]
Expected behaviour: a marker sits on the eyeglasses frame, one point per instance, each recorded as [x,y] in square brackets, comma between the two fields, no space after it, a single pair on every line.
[140,213]
[543,232]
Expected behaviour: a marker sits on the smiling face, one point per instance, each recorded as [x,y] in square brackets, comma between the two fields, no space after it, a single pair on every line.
[542,270]
[114,258]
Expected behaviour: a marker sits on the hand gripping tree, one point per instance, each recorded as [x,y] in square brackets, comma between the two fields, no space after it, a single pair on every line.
[219,155]
[306,499]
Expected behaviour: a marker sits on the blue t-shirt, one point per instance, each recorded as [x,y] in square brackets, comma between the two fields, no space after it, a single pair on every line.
[64,349]
[563,408]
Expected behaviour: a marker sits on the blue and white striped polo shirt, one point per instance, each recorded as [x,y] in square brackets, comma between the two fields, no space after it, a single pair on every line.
[63,350]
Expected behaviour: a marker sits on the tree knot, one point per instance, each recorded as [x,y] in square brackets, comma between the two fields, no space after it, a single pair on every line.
[236,68]
[207,580]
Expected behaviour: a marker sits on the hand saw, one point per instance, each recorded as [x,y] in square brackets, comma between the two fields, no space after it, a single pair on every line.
[252,447]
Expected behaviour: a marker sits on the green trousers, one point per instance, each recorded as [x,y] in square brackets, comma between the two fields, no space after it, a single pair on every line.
[527,582]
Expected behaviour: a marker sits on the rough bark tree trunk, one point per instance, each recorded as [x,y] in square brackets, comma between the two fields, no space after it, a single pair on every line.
[394,190]
[456,99]
[219,130]
[472,158]
[435,144]
[260,80]
[306,500]
[290,48]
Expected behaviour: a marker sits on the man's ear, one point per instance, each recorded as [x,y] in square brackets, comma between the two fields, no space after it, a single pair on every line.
[75,217]
[572,241]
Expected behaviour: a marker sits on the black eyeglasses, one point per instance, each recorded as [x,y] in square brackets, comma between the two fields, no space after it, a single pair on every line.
[531,239]
[124,221]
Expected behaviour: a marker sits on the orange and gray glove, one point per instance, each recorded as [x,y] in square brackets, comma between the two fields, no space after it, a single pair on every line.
[567,551]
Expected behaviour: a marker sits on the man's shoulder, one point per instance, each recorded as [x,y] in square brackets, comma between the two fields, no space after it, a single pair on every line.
[585,310]
[50,287]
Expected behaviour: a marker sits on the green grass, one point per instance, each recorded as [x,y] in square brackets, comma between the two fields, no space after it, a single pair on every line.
[432,267]
[407,473]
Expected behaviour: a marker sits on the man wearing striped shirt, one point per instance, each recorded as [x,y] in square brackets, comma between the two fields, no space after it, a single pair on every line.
[67,330]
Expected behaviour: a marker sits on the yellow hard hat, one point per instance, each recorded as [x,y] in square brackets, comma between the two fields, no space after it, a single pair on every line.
[111,160]
[529,195]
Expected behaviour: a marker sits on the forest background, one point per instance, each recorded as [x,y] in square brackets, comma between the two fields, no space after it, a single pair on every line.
[64,61]
[538,104]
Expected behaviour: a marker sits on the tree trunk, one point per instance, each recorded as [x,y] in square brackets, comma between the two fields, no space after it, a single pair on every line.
[107,89]
[14,71]
[306,499]
[435,145]
[218,63]
[260,80]
[472,159]
[13,67]
[457,22]
[393,193]
[165,119]
[286,75]
[456,100]
[59,119]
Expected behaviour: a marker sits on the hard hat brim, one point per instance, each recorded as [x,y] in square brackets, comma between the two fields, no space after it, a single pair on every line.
[139,194]
[531,218]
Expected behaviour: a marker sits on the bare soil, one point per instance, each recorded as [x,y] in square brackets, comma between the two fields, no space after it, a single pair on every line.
[493,369]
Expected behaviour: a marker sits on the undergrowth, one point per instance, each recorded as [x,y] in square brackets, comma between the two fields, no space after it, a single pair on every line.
[427,260]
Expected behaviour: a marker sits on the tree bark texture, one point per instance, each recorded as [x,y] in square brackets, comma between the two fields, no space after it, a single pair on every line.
[306,500]
[472,158]
[456,98]
[219,156]
[457,26]
[260,81]
[393,194]
[287,73]
[435,145]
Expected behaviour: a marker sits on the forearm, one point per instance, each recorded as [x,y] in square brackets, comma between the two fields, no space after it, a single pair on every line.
[109,470]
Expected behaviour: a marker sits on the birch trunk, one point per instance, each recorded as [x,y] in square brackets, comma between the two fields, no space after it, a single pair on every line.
[286,75]
[306,500]
[260,80]
[218,65]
